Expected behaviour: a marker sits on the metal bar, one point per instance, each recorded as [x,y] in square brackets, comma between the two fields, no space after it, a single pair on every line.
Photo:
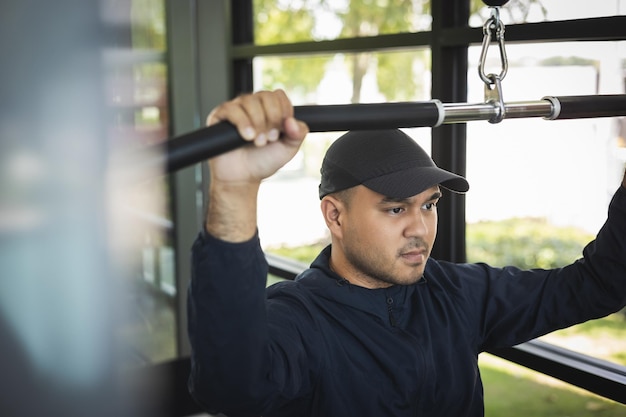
[609,28]
[370,116]
[214,140]
[342,45]
[283,267]
[595,375]
[199,145]
[579,107]
[466,112]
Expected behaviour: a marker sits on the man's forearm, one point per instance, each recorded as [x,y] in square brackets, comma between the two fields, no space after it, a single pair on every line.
[231,215]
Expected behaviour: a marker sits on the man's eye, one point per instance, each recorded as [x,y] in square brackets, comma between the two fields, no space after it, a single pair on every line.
[429,206]
[396,210]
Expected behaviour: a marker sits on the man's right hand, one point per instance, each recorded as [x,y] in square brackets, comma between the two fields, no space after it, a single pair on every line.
[265,119]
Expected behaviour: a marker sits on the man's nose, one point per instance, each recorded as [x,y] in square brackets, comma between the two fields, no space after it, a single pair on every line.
[417,226]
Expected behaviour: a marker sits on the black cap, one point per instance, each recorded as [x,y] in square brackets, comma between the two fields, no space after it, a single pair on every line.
[388,162]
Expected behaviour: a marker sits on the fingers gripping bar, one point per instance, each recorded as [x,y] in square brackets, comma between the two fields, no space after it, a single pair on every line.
[214,140]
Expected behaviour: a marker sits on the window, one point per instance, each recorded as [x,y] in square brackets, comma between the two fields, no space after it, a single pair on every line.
[530,11]
[555,179]
[536,70]
[138,96]
[315,20]
[389,76]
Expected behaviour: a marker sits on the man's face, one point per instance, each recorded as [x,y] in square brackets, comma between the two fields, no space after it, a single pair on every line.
[387,241]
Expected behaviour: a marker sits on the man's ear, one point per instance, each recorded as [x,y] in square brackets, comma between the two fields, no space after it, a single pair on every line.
[332,210]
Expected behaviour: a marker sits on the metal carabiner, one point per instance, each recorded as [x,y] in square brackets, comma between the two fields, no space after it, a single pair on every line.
[493,95]
[493,23]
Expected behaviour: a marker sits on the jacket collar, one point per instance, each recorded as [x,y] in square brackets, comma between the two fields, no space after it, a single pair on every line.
[324,282]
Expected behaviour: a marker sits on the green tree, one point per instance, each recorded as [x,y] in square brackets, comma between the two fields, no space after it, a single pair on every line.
[526,243]
[359,18]
[370,18]
[288,21]
[148,24]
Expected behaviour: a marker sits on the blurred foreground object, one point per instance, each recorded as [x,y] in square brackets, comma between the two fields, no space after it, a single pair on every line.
[59,271]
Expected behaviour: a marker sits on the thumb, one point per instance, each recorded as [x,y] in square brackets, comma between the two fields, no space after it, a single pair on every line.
[294,130]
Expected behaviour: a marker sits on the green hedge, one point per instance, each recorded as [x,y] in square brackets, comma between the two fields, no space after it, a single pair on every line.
[525,243]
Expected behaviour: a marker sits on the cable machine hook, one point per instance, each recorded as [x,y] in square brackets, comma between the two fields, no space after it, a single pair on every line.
[493,24]
[493,87]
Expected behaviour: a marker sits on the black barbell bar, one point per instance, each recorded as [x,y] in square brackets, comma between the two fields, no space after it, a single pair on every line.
[207,142]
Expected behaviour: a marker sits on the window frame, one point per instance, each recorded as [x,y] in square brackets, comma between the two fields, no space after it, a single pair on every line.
[449,40]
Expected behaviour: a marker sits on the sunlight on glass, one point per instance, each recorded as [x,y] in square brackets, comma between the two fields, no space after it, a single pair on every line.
[554,179]
[513,390]
[539,189]
[137,93]
[530,11]
[316,20]
[337,79]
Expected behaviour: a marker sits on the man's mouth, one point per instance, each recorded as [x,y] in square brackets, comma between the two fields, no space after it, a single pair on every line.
[416,256]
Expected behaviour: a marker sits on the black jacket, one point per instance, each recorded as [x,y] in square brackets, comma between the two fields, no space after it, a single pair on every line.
[320,346]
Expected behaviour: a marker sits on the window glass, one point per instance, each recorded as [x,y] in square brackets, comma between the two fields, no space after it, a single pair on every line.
[529,11]
[314,20]
[138,99]
[148,25]
[550,161]
[513,390]
[540,189]
[289,214]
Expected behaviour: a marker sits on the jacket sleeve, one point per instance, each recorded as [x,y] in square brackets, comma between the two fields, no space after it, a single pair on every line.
[242,363]
[516,305]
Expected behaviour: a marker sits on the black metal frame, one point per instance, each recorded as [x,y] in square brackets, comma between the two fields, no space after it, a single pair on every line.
[449,40]
[161,390]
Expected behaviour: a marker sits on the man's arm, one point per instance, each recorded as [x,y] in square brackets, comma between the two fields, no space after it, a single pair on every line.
[233,368]
[521,305]
[266,119]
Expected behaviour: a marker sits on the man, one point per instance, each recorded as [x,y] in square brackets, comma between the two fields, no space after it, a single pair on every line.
[375,327]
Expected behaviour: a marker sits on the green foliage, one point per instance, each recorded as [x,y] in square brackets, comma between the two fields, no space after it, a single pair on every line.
[296,75]
[525,243]
[608,335]
[148,28]
[289,21]
[396,77]
[373,17]
[571,60]
[283,22]
[360,18]
[511,390]
[305,254]
[615,324]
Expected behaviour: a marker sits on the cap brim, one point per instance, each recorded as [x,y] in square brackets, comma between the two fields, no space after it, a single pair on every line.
[413,181]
